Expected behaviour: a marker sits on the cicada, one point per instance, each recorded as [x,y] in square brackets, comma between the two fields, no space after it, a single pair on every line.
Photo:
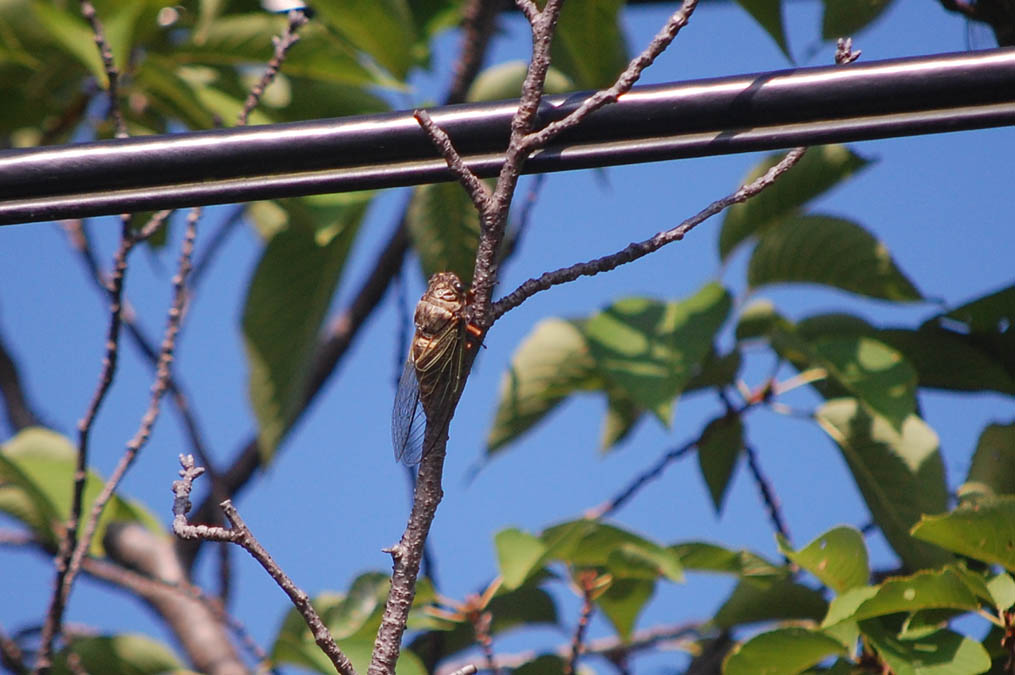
[433,370]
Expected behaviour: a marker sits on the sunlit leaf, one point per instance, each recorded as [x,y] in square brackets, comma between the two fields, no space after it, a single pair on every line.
[650,349]
[624,601]
[984,530]
[820,169]
[37,469]
[701,556]
[384,29]
[504,81]
[993,465]
[127,653]
[838,558]
[519,556]
[551,363]
[900,473]
[784,651]
[829,251]
[928,589]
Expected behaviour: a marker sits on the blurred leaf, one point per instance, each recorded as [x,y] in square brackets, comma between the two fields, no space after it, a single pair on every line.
[876,374]
[900,473]
[650,349]
[352,618]
[72,34]
[768,14]
[990,324]
[519,556]
[942,653]
[928,589]
[753,601]
[700,556]
[838,558]
[544,664]
[587,543]
[758,319]
[784,651]
[172,96]
[444,226]
[504,81]
[125,654]
[830,251]
[37,469]
[715,371]
[551,363]
[384,29]
[718,451]
[993,464]
[820,169]
[623,602]
[286,303]
[1002,591]
[588,45]
[946,359]
[984,530]
[844,18]
[621,416]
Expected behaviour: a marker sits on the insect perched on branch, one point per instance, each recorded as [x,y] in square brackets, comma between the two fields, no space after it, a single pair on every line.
[433,372]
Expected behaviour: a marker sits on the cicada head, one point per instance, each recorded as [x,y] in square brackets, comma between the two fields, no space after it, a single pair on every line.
[447,288]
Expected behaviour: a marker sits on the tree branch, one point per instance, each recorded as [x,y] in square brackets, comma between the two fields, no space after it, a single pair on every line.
[241,535]
[638,250]
[297,18]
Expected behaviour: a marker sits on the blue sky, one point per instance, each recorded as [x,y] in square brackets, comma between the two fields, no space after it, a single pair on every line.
[335,497]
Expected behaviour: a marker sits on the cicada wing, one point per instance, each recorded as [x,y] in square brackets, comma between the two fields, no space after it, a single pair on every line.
[408,423]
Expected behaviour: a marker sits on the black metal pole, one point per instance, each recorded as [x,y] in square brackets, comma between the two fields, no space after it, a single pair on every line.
[804,106]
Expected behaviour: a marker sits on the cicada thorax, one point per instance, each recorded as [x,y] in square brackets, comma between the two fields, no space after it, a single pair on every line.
[436,350]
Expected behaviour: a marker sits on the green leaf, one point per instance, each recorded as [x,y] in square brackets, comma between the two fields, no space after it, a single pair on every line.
[984,530]
[1002,591]
[966,366]
[843,18]
[352,619]
[384,29]
[650,350]
[621,416]
[71,33]
[718,450]
[444,226]
[820,169]
[623,601]
[620,552]
[519,556]
[544,664]
[876,374]
[504,81]
[37,469]
[993,467]
[784,651]
[989,323]
[768,14]
[838,558]
[756,600]
[286,303]
[551,363]
[899,472]
[831,251]
[700,556]
[126,653]
[927,589]
[588,45]
[942,653]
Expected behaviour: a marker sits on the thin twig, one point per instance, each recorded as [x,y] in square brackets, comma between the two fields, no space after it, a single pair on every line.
[578,638]
[241,535]
[297,18]
[610,506]
[151,414]
[476,188]
[479,19]
[768,495]
[112,73]
[69,541]
[640,249]
[481,627]
[11,656]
